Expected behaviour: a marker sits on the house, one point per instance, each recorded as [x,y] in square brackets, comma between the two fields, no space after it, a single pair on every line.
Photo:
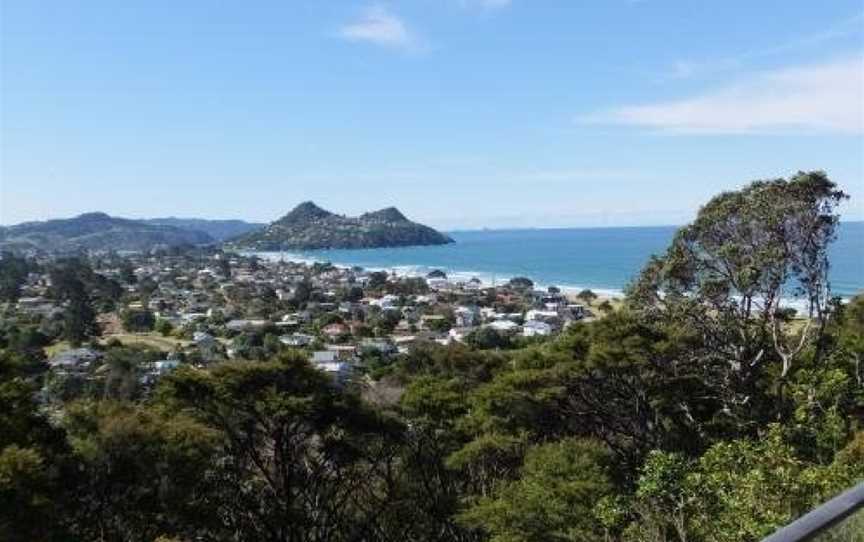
[37,306]
[339,370]
[328,361]
[334,330]
[378,345]
[536,328]
[165,366]
[344,352]
[296,339]
[324,356]
[466,316]
[203,339]
[386,302]
[242,325]
[438,283]
[192,316]
[503,326]
[75,360]
[542,316]
[458,334]
[473,285]
[574,311]
[403,343]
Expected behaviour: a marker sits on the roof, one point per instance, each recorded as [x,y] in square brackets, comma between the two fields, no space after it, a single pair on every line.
[323,356]
[77,356]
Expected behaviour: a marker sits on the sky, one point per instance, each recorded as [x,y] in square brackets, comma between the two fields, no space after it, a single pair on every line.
[463,113]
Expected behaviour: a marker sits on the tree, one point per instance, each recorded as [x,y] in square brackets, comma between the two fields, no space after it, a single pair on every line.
[163,327]
[143,473]
[587,296]
[377,279]
[305,461]
[13,274]
[138,320]
[725,277]
[33,459]
[553,498]
[487,338]
[302,292]
[127,273]
[352,294]
[521,283]
[79,317]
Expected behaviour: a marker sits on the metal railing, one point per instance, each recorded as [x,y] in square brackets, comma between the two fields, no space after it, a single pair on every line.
[822,518]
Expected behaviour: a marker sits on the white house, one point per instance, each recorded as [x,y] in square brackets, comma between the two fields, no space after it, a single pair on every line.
[504,326]
[536,328]
[296,339]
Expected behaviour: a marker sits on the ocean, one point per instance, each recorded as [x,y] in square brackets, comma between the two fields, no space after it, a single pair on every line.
[603,259]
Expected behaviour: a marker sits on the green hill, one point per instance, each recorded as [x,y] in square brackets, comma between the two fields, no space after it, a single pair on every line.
[96,231]
[311,227]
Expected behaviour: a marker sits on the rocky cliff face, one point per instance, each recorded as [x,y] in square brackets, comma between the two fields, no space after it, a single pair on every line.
[309,227]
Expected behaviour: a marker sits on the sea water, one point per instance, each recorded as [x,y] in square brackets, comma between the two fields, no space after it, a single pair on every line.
[602,259]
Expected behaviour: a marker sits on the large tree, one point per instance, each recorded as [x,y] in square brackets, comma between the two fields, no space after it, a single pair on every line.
[727,281]
[303,460]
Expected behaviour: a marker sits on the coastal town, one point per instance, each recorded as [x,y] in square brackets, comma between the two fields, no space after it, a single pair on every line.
[199,307]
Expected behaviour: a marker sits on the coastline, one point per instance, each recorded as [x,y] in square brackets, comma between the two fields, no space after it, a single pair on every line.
[487,279]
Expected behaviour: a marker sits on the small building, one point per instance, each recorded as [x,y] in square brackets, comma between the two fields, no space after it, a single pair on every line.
[296,340]
[244,325]
[536,328]
[504,326]
[466,316]
[203,339]
[74,361]
[334,330]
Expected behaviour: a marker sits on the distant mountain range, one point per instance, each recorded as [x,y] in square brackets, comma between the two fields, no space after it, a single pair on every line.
[306,227]
[311,227]
[219,230]
[96,231]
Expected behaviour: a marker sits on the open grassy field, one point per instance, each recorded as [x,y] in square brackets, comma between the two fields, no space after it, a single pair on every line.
[153,340]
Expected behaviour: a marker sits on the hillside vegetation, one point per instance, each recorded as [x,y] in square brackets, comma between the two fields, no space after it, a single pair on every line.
[698,411]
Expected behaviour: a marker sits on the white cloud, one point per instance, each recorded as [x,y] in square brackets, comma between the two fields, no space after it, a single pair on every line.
[824,98]
[380,27]
[687,68]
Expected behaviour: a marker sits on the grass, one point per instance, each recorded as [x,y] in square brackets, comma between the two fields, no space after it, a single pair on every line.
[153,340]
[56,348]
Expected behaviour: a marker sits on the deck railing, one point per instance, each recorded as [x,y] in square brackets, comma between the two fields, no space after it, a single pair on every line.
[819,520]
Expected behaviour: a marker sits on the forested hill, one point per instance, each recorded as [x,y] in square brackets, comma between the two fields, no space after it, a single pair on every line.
[96,231]
[308,226]
[219,230]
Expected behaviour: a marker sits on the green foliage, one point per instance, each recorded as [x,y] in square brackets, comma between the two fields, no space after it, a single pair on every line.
[125,453]
[138,320]
[487,338]
[738,490]
[521,283]
[552,500]
[13,273]
[163,327]
[693,413]
[587,296]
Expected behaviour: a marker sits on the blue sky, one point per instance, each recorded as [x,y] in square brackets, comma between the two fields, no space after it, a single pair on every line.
[463,113]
